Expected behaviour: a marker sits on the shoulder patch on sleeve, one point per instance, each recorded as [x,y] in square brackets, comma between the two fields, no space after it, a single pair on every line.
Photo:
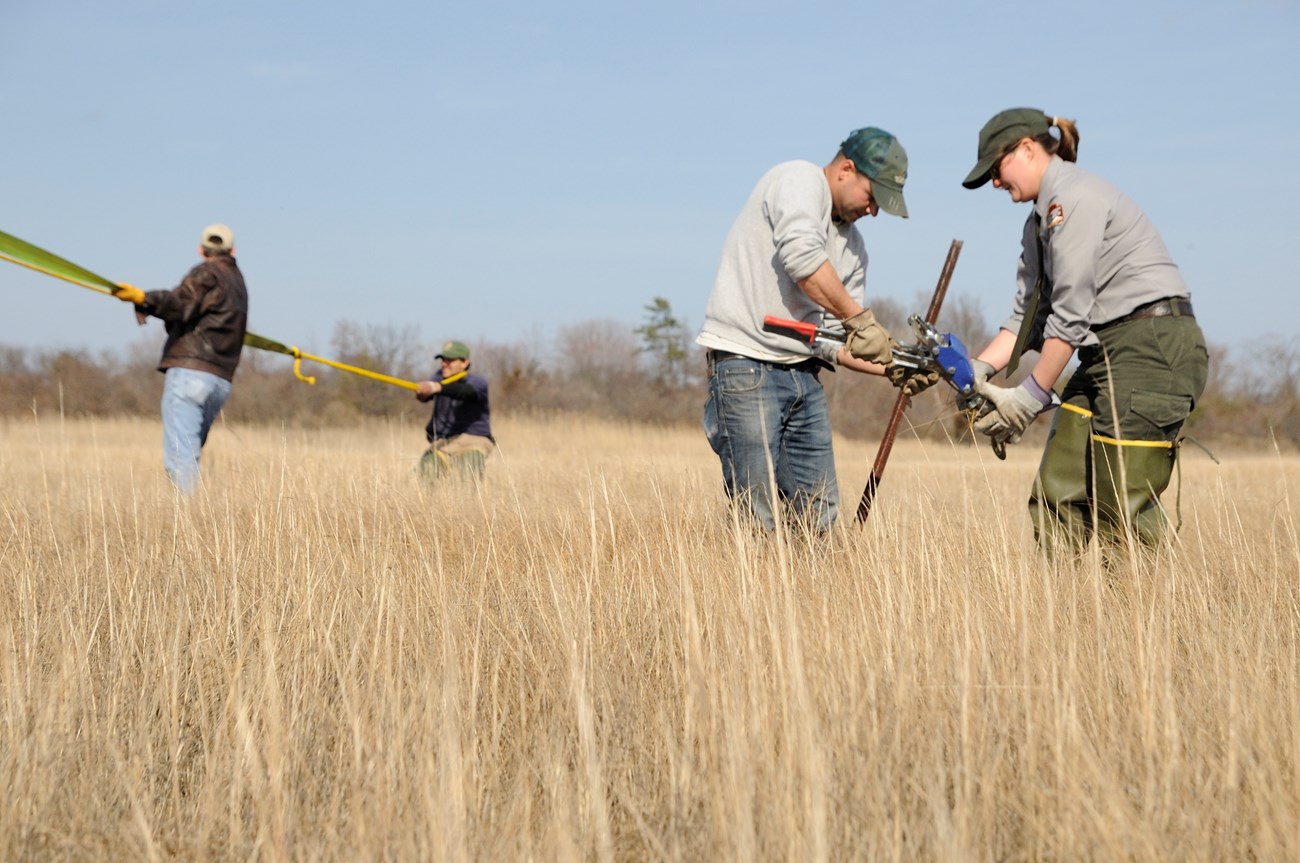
[1055,215]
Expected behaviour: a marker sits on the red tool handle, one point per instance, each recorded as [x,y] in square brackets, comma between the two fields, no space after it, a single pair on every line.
[808,331]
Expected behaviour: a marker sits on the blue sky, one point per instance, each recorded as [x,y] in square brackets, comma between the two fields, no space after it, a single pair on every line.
[502,170]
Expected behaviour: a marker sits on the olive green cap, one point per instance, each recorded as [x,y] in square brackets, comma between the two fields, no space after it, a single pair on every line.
[453,351]
[878,154]
[999,134]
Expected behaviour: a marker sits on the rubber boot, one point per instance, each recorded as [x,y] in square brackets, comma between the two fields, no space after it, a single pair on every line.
[1060,506]
[1130,479]
[470,464]
[434,466]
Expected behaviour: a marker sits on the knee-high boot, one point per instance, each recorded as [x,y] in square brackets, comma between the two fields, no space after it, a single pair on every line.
[1060,504]
[1130,477]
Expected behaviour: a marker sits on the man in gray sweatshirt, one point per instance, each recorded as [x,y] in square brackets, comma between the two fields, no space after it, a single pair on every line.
[793,252]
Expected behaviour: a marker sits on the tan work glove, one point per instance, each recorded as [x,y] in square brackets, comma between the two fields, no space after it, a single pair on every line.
[868,340]
[129,293]
[912,381]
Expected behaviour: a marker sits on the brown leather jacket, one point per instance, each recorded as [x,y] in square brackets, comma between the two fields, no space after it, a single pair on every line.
[206,315]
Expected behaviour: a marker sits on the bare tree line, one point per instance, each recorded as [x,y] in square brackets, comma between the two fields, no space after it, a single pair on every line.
[652,373]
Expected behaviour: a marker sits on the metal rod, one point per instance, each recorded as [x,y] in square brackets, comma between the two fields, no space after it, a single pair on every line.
[891,431]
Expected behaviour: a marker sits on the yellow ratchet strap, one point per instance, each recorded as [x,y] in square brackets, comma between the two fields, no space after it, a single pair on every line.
[1083,412]
[1160,444]
[297,367]
[365,373]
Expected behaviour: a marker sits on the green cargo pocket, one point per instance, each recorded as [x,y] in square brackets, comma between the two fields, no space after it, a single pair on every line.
[1161,410]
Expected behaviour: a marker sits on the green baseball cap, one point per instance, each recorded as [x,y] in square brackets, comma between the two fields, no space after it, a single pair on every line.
[999,134]
[453,351]
[878,154]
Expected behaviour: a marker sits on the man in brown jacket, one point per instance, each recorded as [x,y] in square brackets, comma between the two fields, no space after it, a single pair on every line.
[206,316]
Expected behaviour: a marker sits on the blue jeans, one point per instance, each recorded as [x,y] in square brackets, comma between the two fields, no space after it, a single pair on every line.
[770,425]
[191,401]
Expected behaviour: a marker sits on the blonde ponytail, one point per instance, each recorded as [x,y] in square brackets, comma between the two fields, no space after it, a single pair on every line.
[1067,145]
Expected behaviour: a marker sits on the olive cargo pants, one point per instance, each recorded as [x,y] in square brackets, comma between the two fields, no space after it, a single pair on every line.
[1113,443]
[461,456]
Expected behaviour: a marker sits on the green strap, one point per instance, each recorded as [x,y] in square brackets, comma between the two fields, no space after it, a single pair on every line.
[33,257]
[1031,308]
[1178,498]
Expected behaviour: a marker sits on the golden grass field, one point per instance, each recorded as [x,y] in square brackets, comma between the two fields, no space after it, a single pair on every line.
[585,659]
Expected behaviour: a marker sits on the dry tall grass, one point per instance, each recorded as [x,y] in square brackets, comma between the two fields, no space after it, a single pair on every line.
[585,659]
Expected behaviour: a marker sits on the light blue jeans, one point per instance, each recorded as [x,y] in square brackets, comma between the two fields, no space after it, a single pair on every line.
[770,425]
[191,401]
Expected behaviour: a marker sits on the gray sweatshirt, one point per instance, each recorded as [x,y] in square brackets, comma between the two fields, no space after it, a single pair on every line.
[783,234]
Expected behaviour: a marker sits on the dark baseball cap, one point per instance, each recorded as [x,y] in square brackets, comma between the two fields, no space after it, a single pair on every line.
[999,134]
[878,154]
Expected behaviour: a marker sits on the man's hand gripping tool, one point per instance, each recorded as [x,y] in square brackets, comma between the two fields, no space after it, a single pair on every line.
[944,353]
[933,351]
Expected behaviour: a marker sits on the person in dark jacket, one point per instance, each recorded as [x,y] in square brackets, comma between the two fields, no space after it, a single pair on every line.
[205,316]
[460,428]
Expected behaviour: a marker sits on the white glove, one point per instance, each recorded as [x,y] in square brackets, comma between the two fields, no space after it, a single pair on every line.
[1016,407]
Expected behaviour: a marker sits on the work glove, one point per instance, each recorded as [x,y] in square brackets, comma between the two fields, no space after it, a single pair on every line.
[1016,407]
[1002,440]
[981,371]
[129,293]
[995,425]
[867,339]
[911,381]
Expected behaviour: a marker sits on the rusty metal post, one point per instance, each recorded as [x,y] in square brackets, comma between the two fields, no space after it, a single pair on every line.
[891,431]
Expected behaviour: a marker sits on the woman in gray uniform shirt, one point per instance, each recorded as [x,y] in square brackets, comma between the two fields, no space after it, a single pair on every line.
[1094,277]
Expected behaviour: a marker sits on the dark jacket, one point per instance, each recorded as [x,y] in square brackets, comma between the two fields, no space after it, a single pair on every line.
[461,408]
[206,315]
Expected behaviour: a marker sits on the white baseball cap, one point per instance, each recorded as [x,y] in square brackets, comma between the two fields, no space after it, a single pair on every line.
[217,238]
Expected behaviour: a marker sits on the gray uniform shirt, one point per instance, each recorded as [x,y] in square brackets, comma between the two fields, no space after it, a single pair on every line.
[1102,258]
[783,234]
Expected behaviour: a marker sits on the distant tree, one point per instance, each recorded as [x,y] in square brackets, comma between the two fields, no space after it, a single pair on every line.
[963,316]
[20,382]
[516,372]
[665,339]
[81,386]
[389,350]
[891,316]
[596,369]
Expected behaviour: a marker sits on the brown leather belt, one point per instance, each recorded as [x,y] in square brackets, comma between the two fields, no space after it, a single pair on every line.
[1178,307]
